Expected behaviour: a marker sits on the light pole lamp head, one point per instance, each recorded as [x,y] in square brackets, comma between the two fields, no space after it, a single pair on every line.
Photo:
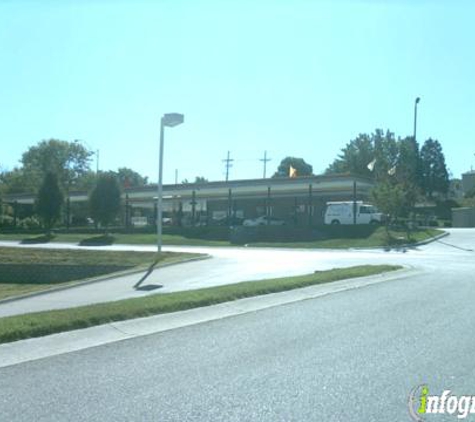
[417,100]
[172,119]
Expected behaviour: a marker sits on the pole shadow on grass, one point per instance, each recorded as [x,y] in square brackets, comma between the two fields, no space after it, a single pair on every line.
[147,287]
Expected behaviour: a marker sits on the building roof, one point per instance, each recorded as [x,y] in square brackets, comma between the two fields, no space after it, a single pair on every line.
[281,186]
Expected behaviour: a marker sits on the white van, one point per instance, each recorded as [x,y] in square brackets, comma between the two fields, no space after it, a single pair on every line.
[342,213]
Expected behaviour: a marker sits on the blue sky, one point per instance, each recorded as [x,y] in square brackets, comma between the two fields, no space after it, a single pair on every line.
[297,78]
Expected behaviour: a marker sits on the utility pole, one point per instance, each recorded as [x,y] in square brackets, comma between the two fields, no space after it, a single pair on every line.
[97,162]
[265,160]
[176,176]
[228,165]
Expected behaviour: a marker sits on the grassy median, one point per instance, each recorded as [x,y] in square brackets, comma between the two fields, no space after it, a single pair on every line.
[378,238]
[375,238]
[27,270]
[43,323]
[115,238]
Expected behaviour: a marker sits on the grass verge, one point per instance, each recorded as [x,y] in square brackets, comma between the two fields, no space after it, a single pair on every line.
[378,238]
[116,238]
[28,270]
[44,323]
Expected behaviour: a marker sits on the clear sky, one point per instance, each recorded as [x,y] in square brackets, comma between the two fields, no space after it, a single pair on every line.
[292,77]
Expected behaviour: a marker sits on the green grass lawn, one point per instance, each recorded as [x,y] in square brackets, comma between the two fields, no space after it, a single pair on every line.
[375,239]
[43,323]
[26,270]
[118,238]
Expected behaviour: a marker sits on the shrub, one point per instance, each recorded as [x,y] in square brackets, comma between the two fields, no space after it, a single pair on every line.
[29,223]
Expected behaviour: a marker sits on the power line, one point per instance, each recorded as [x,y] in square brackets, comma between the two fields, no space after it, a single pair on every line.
[228,165]
[265,160]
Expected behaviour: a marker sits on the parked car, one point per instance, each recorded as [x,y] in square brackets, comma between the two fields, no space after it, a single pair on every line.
[227,221]
[342,213]
[263,221]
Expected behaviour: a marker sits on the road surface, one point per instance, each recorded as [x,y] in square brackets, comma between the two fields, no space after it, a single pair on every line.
[351,356]
[232,265]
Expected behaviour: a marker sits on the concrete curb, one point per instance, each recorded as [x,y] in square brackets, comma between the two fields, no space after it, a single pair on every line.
[432,239]
[56,344]
[105,277]
[405,245]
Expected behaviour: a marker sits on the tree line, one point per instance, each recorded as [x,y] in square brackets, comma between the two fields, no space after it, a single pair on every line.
[54,168]
[403,173]
[69,161]
[104,200]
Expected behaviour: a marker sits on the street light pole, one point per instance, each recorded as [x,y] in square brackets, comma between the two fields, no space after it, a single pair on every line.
[415,116]
[169,120]
[160,189]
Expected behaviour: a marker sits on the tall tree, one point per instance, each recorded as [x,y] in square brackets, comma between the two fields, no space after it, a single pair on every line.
[129,178]
[198,179]
[408,167]
[68,160]
[201,179]
[16,181]
[302,168]
[385,154]
[355,157]
[393,199]
[435,177]
[406,173]
[378,149]
[86,181]
[104,200]
[49,201]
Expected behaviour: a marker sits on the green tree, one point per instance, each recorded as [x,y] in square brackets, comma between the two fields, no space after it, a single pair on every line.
[303,168]
[85,181]
[379,149]
[406,173]
[201,179]
[355,157]
[129,178]
[198,179]
[16,181]
[69,160]
[390,198]
[435,177]
[469,199]
[49,201]
[104,200]
[408,167]
[385,154]
[470,193]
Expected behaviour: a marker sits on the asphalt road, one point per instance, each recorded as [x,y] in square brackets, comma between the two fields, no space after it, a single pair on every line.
[232,265]
[351,356]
